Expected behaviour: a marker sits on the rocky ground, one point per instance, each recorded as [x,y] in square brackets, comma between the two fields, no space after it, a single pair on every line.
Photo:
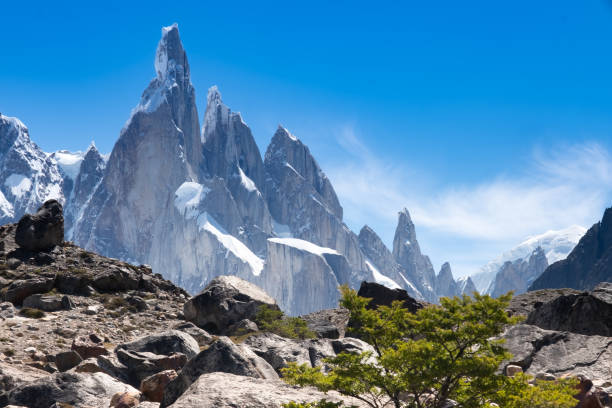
[81,330]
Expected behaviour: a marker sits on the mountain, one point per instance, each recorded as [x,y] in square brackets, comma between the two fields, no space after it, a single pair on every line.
[466,285]
[445,283]
[28,177]
[555,245]
[199,202]
[407,252]
[589,263]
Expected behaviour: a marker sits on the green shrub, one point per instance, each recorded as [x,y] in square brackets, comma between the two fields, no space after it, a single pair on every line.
[272,320]
[32,313]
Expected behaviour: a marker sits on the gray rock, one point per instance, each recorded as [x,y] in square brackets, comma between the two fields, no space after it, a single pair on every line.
[278,351]
[48,303]
[165,343]
[141,365]
[225,301]
[43,230]
[67,360]
[7,310]
[328,323]
[201,336]
[242,327]
[222,356]
[466,285]
[559,353]
[79,390]
[224,390]
[18,290]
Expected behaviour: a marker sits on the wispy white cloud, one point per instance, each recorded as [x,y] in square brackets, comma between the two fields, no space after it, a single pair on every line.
[558,187]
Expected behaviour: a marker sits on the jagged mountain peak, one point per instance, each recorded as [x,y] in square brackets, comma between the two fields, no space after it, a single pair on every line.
[445,270]
[170,54]
[218,115]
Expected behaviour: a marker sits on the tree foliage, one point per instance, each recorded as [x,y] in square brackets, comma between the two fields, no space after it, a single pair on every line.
[272,320]
[440,353]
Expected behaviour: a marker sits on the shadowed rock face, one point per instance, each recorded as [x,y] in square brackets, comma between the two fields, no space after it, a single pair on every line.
[587,265]
[587,313]
[383,296]
[43,230]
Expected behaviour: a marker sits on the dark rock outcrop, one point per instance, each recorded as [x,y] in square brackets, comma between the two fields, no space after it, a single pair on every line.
[382,295]
[225,301]
[165,343]
[589,263]
[588,313]
[43,230]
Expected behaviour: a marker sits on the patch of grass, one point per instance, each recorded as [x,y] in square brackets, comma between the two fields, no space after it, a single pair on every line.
[32,313]
[9,352]
[113,302]
[272,320]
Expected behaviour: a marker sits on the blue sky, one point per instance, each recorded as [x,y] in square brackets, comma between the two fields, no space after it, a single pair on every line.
[490,121]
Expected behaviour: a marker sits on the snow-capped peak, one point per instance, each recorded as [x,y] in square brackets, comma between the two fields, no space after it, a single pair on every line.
[556,244]
[283,131]
[169,51]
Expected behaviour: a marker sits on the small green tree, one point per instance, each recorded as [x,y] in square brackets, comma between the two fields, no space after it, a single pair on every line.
[423,359]
[272,320]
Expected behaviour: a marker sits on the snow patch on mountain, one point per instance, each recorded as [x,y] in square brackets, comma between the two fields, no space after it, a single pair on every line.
[188,196]
[380,278]
[233,244]
[19,184]
[304,246]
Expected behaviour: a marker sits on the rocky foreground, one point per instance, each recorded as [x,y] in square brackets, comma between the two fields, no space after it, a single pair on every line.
[81,330]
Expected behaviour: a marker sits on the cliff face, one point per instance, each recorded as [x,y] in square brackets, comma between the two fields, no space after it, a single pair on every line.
[589,263]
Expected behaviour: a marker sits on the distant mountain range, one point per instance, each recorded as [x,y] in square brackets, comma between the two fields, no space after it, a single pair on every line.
[196,202]
[517,268]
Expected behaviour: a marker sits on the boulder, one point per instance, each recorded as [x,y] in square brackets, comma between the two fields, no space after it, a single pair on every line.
[79,390]
[225,301]
[43,230]
[141,365]
[125,399]
[116,280]
[536,350]
[222,356]
[329,323]
[245,326]
[588,313]
[48,303]
[382,295]
[89,346]
[166,343]
[201,336]
[7,310]
[67,360]
[153,387]
[20,289]
[277,350]
[224,390]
